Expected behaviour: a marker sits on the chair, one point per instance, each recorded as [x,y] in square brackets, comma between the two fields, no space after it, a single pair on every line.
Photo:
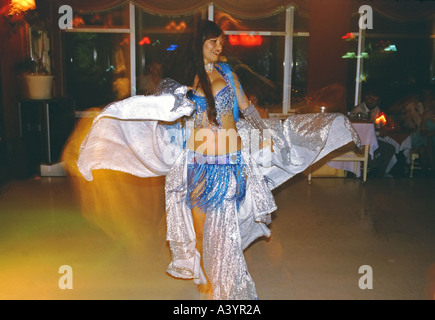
[350,156]
[414,156]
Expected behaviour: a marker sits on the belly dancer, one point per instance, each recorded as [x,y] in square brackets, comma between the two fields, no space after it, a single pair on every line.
[218,186]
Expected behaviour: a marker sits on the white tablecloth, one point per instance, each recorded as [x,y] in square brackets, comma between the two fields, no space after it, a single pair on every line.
[367,134]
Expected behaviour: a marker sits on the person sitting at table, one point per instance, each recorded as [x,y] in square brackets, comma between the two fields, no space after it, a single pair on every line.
[413,109]
[382,156]
[369,108]
[424,140]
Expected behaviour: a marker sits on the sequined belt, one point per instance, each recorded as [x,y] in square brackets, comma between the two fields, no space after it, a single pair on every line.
[229,158]
[213,179]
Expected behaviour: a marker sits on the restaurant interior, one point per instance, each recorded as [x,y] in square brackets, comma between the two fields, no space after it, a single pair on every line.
[345,228]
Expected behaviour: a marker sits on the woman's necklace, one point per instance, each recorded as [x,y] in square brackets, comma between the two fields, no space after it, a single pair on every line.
[209,67]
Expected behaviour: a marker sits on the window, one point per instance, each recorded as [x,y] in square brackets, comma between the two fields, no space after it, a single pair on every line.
[121,52]
[255,50]
[396,58]
[117,18]
[97,58]
[160,41]
[299,73]
[269,55]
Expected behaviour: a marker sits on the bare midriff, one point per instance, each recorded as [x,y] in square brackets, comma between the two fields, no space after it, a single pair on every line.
[216,141]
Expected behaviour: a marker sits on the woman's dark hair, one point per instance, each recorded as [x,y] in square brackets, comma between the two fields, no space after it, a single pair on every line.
[205,30]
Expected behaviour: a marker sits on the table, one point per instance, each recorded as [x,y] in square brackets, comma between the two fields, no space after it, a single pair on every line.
[367,134]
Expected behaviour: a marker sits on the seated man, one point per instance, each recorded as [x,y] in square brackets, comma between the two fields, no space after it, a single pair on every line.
[369,108]
[382,156]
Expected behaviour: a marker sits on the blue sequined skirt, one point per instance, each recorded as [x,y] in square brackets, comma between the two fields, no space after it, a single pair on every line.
[213,179]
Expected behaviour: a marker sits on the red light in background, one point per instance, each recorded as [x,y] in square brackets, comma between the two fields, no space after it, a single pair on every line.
[145,40]
[348,36]
[381,119]
[173,26]
[233,40]
[250,40]
[246,40]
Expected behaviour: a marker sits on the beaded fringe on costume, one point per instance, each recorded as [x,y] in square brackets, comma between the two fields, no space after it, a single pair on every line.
[225,229]
[209,179]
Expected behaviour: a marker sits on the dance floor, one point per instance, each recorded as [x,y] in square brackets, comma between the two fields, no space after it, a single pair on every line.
[111,235]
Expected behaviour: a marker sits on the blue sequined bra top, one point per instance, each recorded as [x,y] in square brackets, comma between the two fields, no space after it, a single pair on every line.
[224,101]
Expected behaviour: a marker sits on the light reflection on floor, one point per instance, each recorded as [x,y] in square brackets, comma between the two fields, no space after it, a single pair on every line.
[321,234]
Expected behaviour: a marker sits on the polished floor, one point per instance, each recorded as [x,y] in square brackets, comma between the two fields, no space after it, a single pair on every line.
[111,233]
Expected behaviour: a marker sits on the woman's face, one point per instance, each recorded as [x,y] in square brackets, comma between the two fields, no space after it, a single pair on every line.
[212,49]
